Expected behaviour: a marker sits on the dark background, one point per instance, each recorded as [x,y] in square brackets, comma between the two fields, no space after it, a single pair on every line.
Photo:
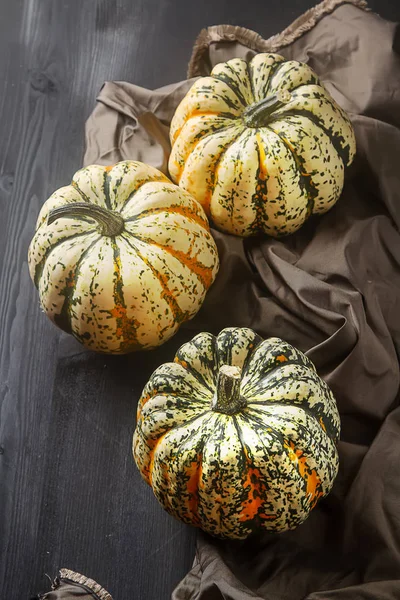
[70,494]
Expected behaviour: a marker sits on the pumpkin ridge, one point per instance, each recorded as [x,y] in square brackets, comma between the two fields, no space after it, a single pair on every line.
[284,418]
[322,410]
[182,402]
[214,172]
[177,449]
[308,475]
[232,69]
[258,76]
[231,84]
[153,446]
[229,201]
[179,315]
[317,415]
[191,421]
[40,265]
[221,338]
[201,138]
[291,452]
[306,182]
[119,181]
[273,71]
[285,402]
[342,150]
[85,198]
[229,337]
[251,82]
[262,184]
[199,113]
[153,443]
[221,514]
[307,375]
[195,374]
[271,372]
[175,209]
[126,326]
[193,504]
[106,189]
[140,184]
[314,78]
[184,360]
[203,273]
[181,259]
[303,378]
[193,484]
[314,81]
[252,501]
[164,378]
[272,432]
[63,319]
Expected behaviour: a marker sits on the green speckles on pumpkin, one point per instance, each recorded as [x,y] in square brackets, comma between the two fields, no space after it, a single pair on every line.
[266,466]
[83,286]
[196,159]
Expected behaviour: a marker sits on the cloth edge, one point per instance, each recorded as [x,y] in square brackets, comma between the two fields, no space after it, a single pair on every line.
[230,33]
[95,587]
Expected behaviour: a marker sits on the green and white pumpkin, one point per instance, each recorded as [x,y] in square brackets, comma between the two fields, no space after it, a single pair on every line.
[121,257]
[237,434]
[261,145]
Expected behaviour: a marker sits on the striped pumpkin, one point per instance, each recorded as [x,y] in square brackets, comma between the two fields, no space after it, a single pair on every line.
[121,257]
[261,145]
[237,434]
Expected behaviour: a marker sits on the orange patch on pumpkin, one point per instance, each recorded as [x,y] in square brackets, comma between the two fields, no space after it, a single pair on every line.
[143,401]
[152,444]
[281,358]
[206,203]
[71,280]
[183,363]
[193,471]
[201,271]
[263,172]
[313,482]
[126,327]
[255,494]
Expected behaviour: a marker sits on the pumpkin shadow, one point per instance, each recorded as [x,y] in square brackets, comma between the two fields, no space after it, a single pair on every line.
[117,379]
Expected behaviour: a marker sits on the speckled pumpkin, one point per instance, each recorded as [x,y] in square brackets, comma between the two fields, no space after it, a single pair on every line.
[261,145]
[237,434]
[121,257]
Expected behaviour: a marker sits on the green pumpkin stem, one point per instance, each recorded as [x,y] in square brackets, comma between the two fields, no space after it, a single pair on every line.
[110,223]
[227,398]
[257,115]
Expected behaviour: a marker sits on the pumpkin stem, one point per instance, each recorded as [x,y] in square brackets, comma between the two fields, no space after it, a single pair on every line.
[256,115]
[110,222]
[227,398]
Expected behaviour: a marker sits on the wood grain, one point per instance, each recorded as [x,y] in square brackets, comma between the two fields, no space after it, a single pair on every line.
[70,493]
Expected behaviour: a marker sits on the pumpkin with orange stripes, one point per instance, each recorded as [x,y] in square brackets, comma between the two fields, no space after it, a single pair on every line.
[121,257]
[262,145]
[237,434]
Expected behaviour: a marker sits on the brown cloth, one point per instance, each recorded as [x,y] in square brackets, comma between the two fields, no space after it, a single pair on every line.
[69,585]
[332,289]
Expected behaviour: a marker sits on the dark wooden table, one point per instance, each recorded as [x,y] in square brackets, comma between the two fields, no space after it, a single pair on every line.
[70,494]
